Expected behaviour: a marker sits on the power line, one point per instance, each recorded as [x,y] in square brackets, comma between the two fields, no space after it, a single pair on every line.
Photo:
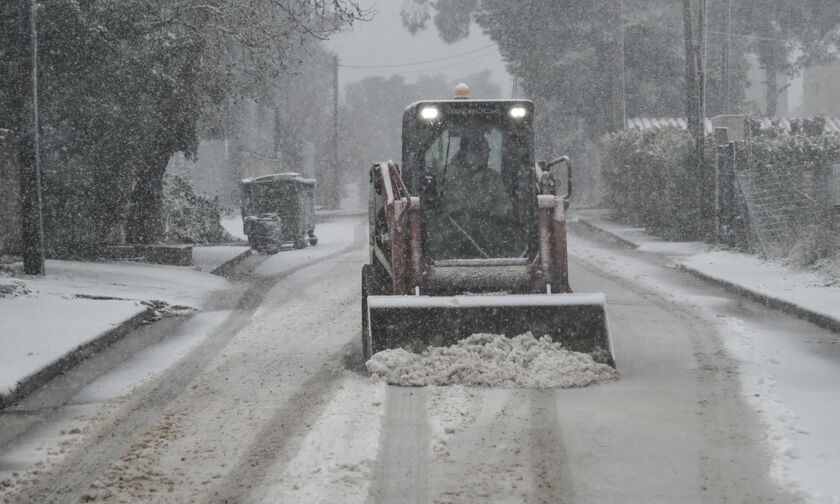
[415,63]
[425,70]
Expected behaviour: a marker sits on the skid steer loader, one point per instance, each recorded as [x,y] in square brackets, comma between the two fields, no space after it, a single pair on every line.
[469,235]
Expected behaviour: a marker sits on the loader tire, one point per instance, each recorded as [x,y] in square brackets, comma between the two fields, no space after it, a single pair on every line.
[375,282]
[365,343]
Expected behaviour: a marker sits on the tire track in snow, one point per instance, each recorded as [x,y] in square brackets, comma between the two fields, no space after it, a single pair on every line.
[482,446]
[70,478]
[280,438]
[401,469]
[552,480]
[337,456]
[732,463]
[463,445]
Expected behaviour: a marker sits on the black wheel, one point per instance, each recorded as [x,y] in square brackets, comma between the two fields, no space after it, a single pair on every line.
[375,281]
[365,340]
[313,240]
[300,242]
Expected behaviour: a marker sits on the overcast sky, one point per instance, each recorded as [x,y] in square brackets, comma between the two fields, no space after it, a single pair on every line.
[384,42]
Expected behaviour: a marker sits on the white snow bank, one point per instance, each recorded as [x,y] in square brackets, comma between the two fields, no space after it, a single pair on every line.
[809,290]
[175,285]
[233,225]
[37,332]
[492,360]
[44,318]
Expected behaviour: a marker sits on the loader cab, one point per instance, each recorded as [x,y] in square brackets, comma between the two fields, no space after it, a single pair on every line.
[472,163]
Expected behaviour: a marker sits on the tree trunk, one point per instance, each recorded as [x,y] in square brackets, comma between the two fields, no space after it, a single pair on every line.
[701,63]
[145,215]
[772,91]
[768,57]
[691,87]
[694,111]
[113,181]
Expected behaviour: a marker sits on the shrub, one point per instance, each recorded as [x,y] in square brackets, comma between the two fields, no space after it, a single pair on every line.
[649,181]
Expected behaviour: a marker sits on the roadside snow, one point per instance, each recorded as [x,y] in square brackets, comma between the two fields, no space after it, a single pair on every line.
[175,285]
[809,290]
[492,360]
[77,302]
[37,332]
[233,225]
[786,382]
[332,237]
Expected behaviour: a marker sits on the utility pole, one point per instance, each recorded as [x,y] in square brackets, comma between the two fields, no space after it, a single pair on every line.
[692,116]
[694,101]
[704,211]
[727,53]
[618,103]
[701,62]
[335,189]
[30,163]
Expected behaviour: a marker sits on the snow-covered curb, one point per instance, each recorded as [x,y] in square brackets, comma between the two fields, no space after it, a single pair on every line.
[52,323]
[777,287]
[65,356]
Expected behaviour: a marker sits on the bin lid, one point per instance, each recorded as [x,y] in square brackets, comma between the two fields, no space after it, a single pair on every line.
[280,177]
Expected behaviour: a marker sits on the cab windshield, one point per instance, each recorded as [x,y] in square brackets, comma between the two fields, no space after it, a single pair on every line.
[477,174]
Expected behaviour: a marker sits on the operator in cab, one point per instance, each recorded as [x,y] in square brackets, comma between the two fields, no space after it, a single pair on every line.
[476,189]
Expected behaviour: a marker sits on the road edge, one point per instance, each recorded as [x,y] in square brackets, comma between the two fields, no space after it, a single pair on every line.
[816,318]
[819,319]
[68,361]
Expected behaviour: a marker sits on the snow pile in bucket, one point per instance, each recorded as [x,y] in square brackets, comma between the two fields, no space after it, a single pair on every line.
[492,360]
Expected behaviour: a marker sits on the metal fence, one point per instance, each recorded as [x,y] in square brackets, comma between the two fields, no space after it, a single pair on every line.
[783,203]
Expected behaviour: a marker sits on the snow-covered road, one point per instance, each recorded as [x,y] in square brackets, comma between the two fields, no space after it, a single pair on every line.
[272,404]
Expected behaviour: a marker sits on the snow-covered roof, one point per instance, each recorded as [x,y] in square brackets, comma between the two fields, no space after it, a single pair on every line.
[646,123]
[831,127]
[832,124]
[274,177]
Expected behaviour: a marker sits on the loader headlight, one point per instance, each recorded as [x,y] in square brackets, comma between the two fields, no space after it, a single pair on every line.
[518,112]
[429,113]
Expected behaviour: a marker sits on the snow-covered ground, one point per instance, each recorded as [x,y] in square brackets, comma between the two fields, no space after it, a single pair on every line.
[233,225]
[45,318]
[77,302]
[792,385]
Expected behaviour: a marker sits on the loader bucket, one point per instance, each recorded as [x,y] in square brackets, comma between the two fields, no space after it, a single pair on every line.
[577,321]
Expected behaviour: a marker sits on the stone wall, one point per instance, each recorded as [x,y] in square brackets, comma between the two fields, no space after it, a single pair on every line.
[10,226]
